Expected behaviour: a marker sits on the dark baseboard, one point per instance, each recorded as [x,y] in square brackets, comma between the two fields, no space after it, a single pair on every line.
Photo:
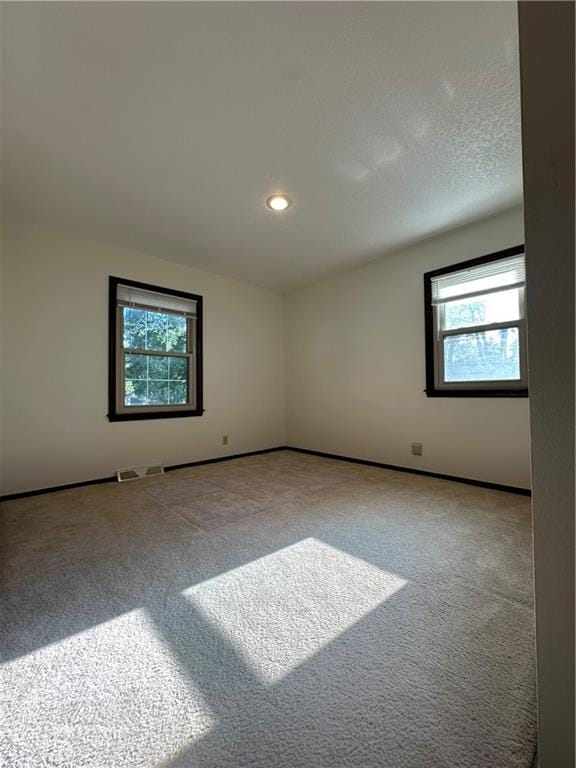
[410,470]
[200,462]
[112,478]
[224,458]
[56,488]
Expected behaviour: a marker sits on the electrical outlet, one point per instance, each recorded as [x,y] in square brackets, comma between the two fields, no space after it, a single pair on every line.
[417,449]
[224,439]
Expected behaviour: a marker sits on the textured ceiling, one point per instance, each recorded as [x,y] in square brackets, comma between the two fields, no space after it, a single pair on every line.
[164,126]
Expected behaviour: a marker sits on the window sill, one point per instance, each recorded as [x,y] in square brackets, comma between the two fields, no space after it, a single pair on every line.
[476,392]
[140,416]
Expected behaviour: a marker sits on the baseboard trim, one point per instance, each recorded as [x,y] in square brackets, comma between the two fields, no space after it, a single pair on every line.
[410,470]
[56,488]
[112,478]
[224,458]
[322,454]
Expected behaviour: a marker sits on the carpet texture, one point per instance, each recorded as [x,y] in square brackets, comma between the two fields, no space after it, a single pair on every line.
[275,611]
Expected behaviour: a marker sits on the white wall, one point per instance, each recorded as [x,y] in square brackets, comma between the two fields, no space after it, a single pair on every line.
[1,363]
[355,369]
[354,366]
[54,369]
[546,57]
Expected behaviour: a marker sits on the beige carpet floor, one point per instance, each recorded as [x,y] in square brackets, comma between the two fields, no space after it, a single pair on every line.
[275,611]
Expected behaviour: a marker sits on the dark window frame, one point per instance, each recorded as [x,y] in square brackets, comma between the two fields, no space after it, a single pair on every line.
[432,390]
[113,413]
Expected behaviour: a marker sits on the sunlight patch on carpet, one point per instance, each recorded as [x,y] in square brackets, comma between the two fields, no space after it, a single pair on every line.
[283,608]
[115,682]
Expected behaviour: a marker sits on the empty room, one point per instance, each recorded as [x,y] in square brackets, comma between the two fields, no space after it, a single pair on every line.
[287,385]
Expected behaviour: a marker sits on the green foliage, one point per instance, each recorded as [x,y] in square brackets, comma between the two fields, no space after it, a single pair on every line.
[155,379]
[159,331]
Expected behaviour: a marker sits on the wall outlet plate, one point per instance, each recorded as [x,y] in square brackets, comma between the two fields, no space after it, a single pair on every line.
[417,449]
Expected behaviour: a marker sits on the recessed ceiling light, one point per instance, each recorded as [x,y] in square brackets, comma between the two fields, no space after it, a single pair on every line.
[278,202]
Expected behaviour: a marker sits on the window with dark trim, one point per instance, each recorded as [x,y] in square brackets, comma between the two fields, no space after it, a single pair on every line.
[476,327]
[155,354]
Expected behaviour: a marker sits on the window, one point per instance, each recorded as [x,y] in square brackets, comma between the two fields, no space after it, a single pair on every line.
[476,328]
[155,352]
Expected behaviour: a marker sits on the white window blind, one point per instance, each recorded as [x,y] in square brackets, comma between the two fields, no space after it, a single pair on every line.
[137,297]
[504,273]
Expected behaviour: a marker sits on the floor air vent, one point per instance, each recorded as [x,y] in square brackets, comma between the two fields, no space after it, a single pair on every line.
[137,472]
